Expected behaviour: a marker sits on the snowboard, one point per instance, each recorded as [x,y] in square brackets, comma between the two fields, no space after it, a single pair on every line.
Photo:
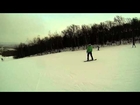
[90,60]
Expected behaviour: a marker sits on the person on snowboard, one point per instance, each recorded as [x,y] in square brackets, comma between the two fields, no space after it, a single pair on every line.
[89,52]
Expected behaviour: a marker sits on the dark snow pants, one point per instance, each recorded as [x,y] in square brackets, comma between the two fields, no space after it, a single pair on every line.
[89,53]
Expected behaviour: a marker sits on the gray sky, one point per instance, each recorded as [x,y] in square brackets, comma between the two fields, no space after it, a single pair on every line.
[18,27]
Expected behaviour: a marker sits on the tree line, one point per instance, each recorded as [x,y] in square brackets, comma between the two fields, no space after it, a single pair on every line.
[121,30]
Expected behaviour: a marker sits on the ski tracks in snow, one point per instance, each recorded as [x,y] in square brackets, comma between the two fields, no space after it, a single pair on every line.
[38,80]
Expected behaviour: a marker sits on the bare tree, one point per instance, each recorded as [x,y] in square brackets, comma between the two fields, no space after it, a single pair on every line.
[135,28]
[119,21]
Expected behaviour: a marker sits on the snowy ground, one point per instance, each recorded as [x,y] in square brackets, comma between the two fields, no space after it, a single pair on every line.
[117,69]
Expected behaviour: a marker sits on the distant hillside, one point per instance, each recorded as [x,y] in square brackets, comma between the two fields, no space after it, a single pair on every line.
[8,45]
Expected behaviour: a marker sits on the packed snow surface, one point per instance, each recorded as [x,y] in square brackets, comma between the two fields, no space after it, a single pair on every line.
[117,68]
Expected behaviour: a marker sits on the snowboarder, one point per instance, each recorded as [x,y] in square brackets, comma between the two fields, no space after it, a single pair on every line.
[98,48]
[89,52]
[2,59]
[133,45]
[133,42]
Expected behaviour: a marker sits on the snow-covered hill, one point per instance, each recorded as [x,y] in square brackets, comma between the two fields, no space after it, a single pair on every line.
[117,69]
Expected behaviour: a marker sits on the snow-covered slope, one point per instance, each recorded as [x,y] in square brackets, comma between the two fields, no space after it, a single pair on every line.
[117,69]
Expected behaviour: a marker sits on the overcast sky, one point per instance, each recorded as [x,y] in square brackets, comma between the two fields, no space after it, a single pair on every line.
[18,27]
